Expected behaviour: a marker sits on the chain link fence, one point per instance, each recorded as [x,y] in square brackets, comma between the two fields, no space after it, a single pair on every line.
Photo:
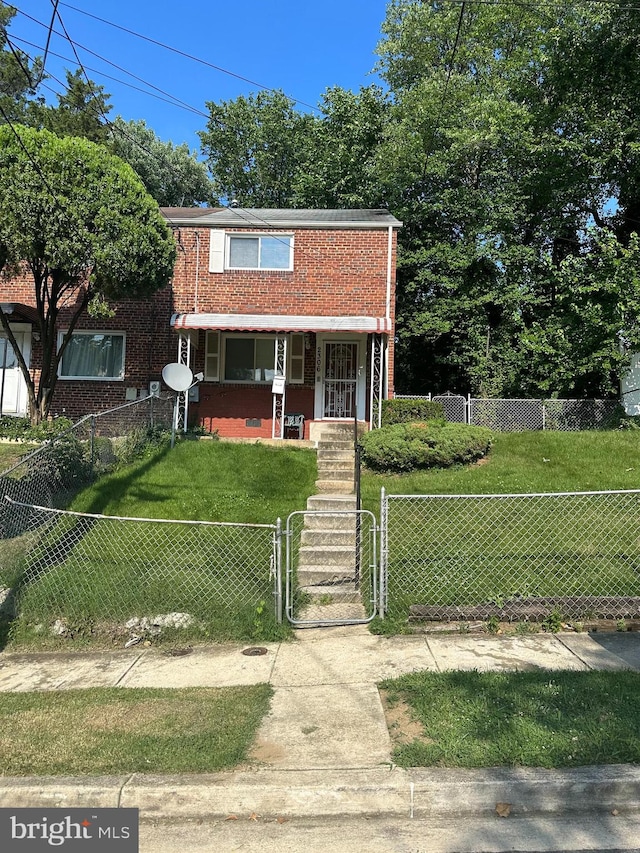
[52,473]
[513,557]
[127,576]
[513,415]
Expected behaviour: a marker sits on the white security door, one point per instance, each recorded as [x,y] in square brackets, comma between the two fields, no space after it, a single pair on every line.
[340,379]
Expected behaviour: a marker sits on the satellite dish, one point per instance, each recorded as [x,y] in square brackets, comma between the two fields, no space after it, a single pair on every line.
[177,376]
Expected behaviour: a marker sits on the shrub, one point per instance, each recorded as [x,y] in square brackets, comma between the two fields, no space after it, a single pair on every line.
[20,428]
[406,411]
[62,465]
[405,447]
[142,441]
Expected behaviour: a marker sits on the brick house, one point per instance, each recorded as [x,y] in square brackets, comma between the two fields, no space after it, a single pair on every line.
[288,314]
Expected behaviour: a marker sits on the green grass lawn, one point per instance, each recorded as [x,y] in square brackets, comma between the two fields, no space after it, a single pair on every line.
[208,481]
[94,573]
[11,452]
[123,730]
[527,462]
[468,551]
[531,719]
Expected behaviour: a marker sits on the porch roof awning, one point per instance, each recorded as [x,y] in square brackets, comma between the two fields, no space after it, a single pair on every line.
[17,312]
[281,323]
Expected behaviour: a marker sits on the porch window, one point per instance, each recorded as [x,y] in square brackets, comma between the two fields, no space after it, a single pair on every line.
[248,358]
[93,355]
[260,252]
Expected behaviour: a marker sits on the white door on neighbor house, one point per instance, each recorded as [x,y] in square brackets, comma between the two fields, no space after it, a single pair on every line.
[13,391]
[342,386]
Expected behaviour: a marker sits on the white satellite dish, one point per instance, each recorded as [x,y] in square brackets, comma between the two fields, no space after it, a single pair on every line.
[177,376]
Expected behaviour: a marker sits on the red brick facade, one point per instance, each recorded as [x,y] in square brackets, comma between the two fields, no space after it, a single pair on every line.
[341,269]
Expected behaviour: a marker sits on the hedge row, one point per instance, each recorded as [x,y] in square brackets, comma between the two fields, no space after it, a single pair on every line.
[406,411]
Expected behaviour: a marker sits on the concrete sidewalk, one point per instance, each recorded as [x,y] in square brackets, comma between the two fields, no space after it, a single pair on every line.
[324,748]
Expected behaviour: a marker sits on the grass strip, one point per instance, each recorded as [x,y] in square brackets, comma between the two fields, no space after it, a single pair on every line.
[125,730]
[524,462]
[532,719]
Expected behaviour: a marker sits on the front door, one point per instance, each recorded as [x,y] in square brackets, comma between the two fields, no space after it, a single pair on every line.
[340,379]
[13,392]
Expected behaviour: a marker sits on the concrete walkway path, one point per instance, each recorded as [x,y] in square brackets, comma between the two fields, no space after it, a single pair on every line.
[324,748]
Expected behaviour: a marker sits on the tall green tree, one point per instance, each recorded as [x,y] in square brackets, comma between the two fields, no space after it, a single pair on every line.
[506,150]
[82,223]
[18,75]
[256,147]
[82,110]
[172,174]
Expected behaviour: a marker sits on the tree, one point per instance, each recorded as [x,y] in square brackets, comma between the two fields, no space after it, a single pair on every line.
[81,111]
[340,151]
[18,77]
[80,221]
[512,134]
[256,147]
[171,174]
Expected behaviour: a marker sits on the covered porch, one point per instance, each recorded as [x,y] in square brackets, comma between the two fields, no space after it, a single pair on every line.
[281,376]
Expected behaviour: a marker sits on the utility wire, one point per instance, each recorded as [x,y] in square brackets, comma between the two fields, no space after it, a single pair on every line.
[186,55]
[169,99]
[46,49]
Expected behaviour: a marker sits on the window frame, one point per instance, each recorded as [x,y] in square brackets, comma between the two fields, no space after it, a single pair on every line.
[219,355]
[237,235]
[91,333]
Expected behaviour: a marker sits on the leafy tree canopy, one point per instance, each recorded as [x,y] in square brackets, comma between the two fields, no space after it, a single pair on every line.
[82,222]
[172,174]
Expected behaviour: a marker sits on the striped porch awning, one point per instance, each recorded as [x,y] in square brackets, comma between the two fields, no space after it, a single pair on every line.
[281,323]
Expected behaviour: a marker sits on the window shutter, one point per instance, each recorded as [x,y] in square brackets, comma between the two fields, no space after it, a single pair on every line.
[296,359]
[212,357]
[216,250]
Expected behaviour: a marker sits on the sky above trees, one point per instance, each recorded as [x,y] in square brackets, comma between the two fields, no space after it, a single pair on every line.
[301,48]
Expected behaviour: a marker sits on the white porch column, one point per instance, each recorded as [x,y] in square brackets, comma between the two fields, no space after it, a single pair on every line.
[279,386]
[184,357]
[378,354]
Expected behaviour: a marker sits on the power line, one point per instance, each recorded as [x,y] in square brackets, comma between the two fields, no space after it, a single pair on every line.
[169,99]
[186,55]
[46,48]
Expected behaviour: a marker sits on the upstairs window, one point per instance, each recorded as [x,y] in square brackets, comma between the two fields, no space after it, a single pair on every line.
[259,252]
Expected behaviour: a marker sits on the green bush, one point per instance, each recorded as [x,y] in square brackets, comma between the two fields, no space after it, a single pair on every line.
[407,411]
[436,444]
[142,441]
[20,428]
[62,465]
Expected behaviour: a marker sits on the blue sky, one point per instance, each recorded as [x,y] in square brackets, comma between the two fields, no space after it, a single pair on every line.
[284,44]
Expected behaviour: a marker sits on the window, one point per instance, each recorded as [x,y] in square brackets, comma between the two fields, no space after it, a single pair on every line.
[248,358]
[260,252]
[93,355]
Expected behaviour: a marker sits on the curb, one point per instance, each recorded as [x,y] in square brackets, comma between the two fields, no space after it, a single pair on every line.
[391,791]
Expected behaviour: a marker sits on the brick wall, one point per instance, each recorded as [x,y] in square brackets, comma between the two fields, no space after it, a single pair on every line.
[336,273]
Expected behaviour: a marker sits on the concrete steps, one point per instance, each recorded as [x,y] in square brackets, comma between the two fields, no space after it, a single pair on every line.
[327,553]
[336,460]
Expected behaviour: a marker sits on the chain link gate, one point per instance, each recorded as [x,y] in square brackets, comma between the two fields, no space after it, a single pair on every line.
[332,571]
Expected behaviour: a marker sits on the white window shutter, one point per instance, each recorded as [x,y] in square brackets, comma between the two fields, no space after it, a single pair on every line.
[216,250]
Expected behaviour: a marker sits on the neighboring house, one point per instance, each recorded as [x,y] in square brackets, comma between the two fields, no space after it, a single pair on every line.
[285,312]
[630,387]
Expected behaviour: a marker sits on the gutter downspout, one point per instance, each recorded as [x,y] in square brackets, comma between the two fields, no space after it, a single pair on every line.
[195,295]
